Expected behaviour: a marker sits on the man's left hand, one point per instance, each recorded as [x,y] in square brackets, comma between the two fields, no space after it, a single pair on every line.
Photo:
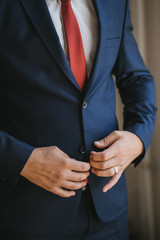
[120,149]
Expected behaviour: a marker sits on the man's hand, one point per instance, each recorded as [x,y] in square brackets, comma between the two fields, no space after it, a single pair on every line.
[53,170]
[122,148]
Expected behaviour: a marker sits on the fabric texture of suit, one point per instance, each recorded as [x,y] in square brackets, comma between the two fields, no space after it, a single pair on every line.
[42,105]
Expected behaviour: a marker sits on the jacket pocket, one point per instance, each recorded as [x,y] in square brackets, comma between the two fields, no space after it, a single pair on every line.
[112,42]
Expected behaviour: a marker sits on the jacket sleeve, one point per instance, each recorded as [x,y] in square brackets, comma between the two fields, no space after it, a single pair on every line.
[13,156]
[136,88]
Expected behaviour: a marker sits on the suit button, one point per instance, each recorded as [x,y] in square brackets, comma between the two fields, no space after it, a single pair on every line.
[85,104]
[82,149]
[84,188]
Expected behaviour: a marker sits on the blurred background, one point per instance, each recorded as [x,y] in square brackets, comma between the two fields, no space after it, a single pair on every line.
[144,181]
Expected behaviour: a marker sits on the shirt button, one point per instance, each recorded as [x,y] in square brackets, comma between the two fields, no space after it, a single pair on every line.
[85,104]
[82,149]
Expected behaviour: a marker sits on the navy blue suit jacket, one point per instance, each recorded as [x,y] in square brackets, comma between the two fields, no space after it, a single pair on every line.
[42,105]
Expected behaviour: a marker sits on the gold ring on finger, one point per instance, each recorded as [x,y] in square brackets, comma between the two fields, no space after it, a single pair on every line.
[115,170]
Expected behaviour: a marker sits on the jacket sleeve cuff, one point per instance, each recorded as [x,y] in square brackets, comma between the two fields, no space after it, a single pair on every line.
[14,155]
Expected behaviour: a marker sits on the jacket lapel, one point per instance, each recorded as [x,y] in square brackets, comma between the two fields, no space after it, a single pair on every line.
[39,15]
[40,18]
[95,79]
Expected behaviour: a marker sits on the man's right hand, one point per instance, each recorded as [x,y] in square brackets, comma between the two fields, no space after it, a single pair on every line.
[53,170]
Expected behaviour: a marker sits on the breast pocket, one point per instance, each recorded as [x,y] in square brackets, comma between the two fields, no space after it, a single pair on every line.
[112,42]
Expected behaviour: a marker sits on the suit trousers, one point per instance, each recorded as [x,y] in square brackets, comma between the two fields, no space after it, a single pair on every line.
[85,225]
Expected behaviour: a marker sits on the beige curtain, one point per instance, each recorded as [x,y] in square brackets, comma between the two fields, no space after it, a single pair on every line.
[144,181]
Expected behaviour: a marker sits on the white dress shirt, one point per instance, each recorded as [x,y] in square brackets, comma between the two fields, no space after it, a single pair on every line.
[88,24]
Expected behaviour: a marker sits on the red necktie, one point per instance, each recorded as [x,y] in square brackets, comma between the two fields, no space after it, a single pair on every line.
[74,41]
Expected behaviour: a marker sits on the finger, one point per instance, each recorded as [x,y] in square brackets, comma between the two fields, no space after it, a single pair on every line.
[115,178]
[103,173]
[62,192]
[73,185]
[104,155]
[77,176]
[44,182]
[112,182]
[107,141]
[79,166]
[104,164]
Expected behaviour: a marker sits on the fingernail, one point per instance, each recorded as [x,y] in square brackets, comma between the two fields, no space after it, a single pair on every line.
[92,152]
[98,142]
[105,190]
[73,194]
